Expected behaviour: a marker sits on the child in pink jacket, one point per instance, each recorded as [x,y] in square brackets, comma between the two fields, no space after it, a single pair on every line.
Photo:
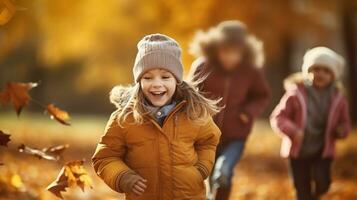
[311,116]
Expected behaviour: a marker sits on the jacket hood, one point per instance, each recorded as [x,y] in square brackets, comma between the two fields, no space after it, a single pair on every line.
[120,95]
[293,81]
[296,82]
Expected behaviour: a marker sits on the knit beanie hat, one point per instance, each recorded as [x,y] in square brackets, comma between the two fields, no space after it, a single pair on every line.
[325,57]
[158,51]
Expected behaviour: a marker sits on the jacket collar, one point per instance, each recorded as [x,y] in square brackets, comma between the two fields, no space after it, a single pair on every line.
[169,115]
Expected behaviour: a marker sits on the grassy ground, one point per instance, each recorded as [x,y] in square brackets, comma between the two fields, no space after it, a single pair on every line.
[261,174]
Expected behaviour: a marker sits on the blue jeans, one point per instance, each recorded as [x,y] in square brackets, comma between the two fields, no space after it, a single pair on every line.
[228,156]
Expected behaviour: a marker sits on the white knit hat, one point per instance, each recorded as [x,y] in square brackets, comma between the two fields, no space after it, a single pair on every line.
[325,57]
[158,51]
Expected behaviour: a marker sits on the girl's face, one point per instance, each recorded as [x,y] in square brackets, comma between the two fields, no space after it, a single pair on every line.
[158,86]
[230,57]
[321,76]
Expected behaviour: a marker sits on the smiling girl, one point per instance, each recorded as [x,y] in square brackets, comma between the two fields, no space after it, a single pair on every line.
[160,143]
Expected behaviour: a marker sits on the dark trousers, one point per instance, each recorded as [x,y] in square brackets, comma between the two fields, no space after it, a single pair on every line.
[311,176]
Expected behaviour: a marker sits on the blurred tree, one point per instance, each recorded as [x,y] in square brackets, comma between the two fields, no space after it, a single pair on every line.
[84,47]
[350,32]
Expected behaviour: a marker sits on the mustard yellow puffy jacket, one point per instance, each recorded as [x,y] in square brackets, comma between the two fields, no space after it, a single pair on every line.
[174,159]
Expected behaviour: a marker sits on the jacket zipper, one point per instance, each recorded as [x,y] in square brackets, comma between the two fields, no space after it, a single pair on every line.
[173,112]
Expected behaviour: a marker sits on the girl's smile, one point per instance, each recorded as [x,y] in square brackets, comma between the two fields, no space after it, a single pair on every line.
[158,86]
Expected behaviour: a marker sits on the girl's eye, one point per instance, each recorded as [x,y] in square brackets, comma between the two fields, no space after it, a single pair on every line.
[146,78]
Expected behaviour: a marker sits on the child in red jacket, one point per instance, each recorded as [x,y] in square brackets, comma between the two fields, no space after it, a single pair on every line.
[311,116]
[229,65]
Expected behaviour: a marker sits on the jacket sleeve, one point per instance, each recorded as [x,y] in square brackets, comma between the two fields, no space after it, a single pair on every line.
[344,119]
[259,95]
[281,118]
[205,146]
[108,157]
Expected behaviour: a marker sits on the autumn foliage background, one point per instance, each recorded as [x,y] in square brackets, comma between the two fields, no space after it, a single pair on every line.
[77,50]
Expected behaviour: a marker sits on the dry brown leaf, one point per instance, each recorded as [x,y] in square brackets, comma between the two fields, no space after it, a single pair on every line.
[17,94]
[58,114]
[72,174]
[4,138]
[51,153]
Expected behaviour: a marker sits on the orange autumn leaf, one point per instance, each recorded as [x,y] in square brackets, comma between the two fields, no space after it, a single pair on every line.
[51,153]
[58,114]
[18,94]
[72,174]
[4,138]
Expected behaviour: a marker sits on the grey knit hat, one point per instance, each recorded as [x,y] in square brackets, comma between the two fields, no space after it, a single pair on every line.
[158,51]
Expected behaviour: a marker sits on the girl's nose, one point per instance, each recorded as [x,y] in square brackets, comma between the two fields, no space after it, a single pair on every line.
[157,84]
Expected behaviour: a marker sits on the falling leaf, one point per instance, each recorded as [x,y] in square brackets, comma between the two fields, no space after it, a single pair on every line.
[52,153]
[17,94]
[58,114]
[72,174]
[4,138]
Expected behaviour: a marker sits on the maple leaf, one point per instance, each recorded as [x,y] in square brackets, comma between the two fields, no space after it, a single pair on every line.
[51,153]
[72,174]
[58,114]
[17,94]
[4,138]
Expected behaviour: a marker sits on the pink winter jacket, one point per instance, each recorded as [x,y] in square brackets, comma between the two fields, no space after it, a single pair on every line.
[289,117]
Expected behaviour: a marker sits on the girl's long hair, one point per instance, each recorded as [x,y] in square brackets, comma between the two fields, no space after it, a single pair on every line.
[130,101]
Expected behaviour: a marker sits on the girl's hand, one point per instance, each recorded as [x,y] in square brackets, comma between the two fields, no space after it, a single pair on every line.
[139,187]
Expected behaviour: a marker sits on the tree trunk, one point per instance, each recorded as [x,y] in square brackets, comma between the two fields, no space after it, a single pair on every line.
[349,25]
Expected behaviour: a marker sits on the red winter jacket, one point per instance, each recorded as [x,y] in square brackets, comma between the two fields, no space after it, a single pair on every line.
[244,90]
[289,117]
